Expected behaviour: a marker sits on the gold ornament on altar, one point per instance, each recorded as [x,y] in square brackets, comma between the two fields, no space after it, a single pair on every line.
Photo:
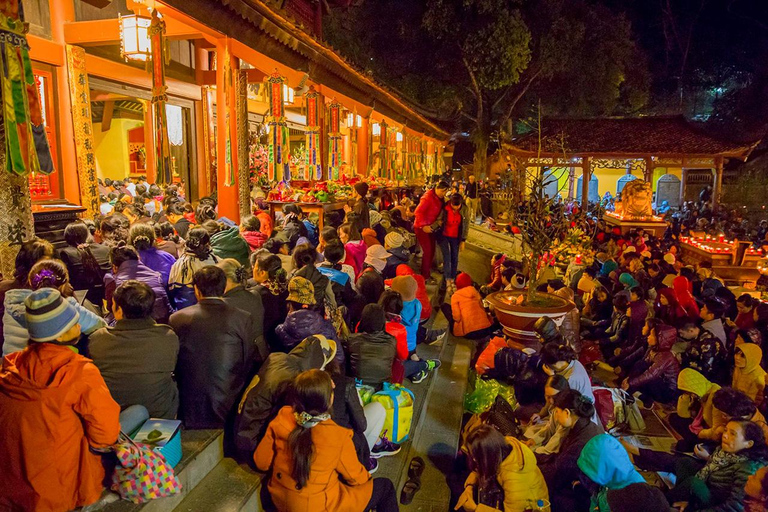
[636,198]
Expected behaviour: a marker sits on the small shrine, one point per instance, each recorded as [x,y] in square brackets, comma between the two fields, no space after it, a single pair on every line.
[635,210]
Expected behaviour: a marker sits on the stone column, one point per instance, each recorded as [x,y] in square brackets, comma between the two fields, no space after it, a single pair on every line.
[571,182]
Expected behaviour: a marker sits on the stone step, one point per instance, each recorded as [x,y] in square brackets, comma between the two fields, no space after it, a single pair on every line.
[229,487]
[202,450]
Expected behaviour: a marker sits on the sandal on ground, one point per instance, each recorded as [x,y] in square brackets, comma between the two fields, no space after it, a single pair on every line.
[416,469]
[410,488]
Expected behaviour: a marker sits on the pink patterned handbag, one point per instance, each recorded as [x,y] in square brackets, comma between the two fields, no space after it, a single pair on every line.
[142,473]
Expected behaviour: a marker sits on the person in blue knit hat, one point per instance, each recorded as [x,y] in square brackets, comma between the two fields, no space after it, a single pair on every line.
[54,407]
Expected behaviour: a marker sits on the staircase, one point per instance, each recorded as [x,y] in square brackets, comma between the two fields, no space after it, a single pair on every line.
[209,481]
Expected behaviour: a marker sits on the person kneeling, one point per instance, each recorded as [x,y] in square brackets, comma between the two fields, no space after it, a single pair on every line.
[313,460]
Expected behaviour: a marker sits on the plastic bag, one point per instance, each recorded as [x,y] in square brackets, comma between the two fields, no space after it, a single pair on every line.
[484,394]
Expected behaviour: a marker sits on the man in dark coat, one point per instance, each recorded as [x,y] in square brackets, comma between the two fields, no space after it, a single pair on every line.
[137,356]
[265,394]
[217,352]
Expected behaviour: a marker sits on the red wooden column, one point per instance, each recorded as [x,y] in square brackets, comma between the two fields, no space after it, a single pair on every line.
[226,130]
[363,144]
[586,168]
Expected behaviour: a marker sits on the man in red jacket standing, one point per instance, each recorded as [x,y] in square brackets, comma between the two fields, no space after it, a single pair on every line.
[427,214]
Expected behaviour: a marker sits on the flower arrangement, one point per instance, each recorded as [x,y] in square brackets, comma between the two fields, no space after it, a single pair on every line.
[575,243]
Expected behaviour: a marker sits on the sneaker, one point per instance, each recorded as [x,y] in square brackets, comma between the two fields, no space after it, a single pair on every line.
[433,364]
[384,448]
[435,335]
[373,465]
[423,374]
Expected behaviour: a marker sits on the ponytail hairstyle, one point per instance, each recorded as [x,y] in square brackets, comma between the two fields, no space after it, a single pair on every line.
[114,229]
[558,382]
[165,231]
[334,253]
[312,391]
[554,352]
[575,402]
[199,243]
[487,449]
[51,274]
[304,255]
[272,265]
[204,211]
[77,235]
[234,271]
[142,237]
[122,253]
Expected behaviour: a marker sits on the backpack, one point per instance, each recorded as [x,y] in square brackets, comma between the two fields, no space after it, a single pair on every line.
[142,474]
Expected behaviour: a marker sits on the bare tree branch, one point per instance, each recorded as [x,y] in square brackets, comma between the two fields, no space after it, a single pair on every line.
[524,86]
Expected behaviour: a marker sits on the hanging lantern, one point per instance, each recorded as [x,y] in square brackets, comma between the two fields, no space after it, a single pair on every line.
[278,168]
[359,121]
[334,140]
[350,120]
[376,129]
[313,165]
[399,136]
[134,37]
[288,94]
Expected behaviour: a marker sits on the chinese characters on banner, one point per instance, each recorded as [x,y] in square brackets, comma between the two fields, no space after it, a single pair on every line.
[334,140]
[313,164]
[81,120]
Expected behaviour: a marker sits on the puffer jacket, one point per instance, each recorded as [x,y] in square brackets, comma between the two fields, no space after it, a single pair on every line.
[255,239]
[300,324]
[136,270]
[468,313]
[15,331]
[428,210]
[54,406]
[664,366]
[520,478]
[560,469]
[371,356]
[228,243]
[421,289]
[604,461]
[400,256]
[265,394]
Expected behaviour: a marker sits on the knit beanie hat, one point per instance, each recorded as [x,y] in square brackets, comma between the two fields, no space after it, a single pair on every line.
[301,290]
[361,188]
[393,240]
[463,280]
[49,315]
[406,286]
[669,258]
[374,217]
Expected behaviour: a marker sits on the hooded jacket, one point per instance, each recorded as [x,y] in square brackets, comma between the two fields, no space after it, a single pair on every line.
[399,256]
[691,381]
[468,313]
[255,239]
[15,334]
[421,289]
[683,287]
[371,356]
[54,405]
[520,479]
[216,358]
[604,461]
[571,322]
[302,323]
[228,243]
[664,366]
[750,379]
[264,395]
[560,469]
[356,250]
[672,313]
[337,482]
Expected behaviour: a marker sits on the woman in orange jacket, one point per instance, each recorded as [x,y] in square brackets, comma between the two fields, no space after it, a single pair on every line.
[466,314]
[310,455]
[54,406]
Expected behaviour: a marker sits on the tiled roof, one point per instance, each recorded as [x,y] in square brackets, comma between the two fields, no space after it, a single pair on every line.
[622,136]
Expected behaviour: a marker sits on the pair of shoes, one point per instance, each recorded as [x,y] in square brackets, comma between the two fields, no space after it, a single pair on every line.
[433,364]
[423,374]
[384,448]
[373,465]
[413,484]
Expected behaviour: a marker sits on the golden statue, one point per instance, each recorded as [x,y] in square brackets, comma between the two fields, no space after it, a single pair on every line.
[636,200]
